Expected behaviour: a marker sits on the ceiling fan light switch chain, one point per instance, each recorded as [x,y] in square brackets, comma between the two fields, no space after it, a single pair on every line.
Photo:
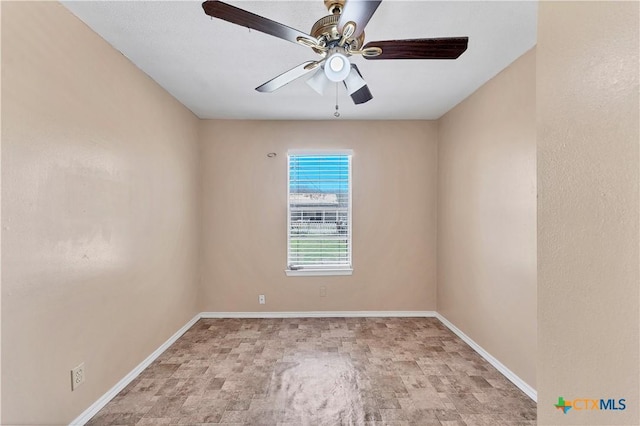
[337,113]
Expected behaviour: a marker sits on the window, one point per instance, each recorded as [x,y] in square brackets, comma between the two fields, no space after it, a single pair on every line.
[319,213]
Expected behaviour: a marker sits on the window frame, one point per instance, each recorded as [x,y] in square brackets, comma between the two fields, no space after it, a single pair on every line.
[321,270]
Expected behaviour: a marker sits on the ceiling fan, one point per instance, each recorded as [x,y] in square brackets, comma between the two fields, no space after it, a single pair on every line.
[335,38]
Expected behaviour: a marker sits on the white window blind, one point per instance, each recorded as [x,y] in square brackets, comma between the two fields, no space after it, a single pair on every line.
[319,213]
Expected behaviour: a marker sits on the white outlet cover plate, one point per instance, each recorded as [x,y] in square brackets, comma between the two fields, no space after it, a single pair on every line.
[77,376]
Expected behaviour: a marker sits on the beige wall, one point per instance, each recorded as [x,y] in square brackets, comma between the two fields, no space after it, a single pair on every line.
[487,219]
[245,216]
[0,230]
[587,111]
[99,214]
[102,177]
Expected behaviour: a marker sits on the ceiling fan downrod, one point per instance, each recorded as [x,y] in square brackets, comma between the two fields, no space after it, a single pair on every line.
[334,6]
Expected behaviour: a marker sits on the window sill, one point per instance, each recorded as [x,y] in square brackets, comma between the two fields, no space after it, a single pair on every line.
[317,272]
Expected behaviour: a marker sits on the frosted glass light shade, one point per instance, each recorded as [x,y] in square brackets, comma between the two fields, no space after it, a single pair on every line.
[337,67]
[319,82]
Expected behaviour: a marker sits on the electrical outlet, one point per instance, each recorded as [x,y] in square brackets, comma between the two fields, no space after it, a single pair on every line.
[262,299]
[77,376]
[323,291]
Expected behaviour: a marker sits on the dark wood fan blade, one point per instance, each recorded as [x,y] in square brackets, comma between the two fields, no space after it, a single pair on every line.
[226,12]
[288,76]
[359,12]
[420,48]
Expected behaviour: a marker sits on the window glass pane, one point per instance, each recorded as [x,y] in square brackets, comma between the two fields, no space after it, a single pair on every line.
[319,211]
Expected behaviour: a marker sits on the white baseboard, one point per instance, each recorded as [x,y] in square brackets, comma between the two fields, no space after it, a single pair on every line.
[111,393]
[104,399]
[319,314]
[513,378]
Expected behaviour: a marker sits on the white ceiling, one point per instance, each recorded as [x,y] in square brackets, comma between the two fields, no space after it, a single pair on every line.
[212,66]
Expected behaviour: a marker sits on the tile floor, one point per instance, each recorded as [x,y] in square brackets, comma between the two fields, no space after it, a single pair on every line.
[319,371]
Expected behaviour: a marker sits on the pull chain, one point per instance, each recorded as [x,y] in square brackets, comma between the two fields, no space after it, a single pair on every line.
[337,113]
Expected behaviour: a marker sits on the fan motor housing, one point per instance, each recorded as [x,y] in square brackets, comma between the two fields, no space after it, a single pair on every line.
[327,27]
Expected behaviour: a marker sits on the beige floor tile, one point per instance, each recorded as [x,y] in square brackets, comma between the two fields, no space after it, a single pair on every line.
[319,371]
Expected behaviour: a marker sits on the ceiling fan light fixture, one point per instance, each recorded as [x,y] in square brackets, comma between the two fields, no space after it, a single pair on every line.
[319,82]
[337,67]
[336,37]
